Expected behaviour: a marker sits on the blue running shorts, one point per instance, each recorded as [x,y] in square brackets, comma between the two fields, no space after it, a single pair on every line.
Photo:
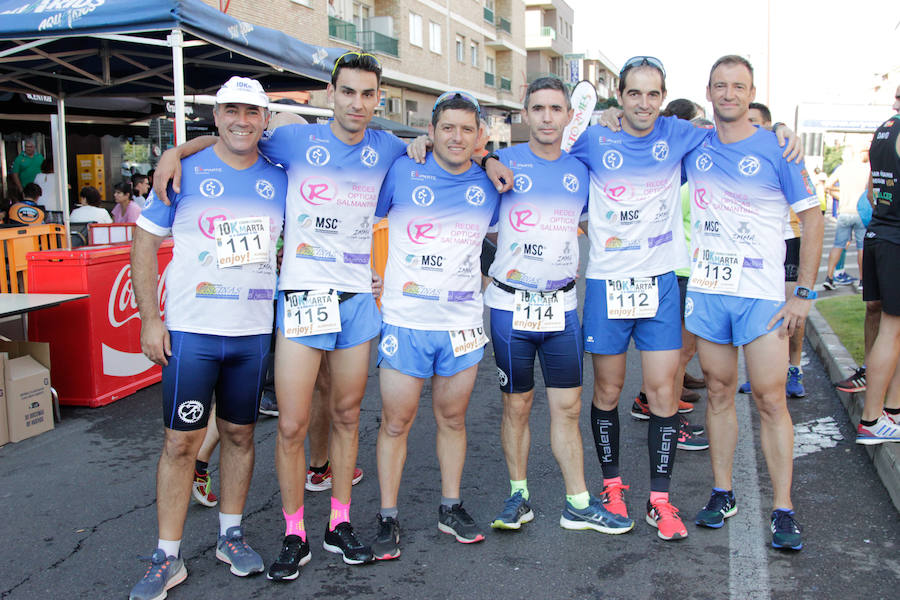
[420,353]
[360,322]
[603,335]
[232,367]
[561,353]
[729,319]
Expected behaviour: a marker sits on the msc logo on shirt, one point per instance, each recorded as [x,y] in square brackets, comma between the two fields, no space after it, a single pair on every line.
[749,166]
[521,183]
[422,196]
[570,182]
[704,162]
[265,189]
[629,217]
[211,188]
[368,156]
[317,156]
[475,195]
[660,150]
[612,159]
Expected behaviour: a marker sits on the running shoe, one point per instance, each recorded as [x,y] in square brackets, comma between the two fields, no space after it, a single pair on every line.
[164,573]
[641,409]
[664,516]
[387,543]
[745,387]
[201,492]
[613,499]
[342,540]
[843,278]
[457,522]
[516,510]
[829,283]
[687,439]
[268,404]
[895,419]
[294,554]
[785,530]
[884,430]
[854,383]
[694,429]
[719,507]
[595,517]
[689,395]
[319,482]
[232,549]
[693,383]
[794,386]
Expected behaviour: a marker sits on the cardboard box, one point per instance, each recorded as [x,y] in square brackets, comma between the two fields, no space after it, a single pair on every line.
[29,406]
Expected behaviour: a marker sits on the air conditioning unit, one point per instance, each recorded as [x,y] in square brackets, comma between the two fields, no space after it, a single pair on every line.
[394,106]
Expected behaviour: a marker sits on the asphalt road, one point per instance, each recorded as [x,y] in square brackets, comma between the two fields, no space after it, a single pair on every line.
[78,508]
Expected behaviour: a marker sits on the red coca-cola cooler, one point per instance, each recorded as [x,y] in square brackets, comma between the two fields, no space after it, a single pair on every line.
[95,343]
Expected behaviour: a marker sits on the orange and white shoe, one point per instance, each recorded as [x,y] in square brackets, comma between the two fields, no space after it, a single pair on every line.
[613,499]
[664,516]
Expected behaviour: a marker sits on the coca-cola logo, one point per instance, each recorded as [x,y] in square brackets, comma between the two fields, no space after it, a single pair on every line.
[123,306]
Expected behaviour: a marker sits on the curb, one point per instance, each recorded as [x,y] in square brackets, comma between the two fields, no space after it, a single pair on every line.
[838,363]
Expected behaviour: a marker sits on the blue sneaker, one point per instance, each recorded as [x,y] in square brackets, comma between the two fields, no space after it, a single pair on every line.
[794,386]
[232,549]
[745,388]
[843,278]
[165,572]
[785,530]
[719,507]
[516,510]
[595,517]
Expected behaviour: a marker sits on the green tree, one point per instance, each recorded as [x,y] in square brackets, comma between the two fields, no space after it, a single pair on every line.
[832,159]
[604,103]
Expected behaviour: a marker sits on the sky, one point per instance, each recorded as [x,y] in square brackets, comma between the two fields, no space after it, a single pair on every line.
[825,51]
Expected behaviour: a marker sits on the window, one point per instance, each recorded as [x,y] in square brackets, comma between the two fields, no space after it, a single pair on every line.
[474,48]
[489,64]
[434,37]
[360,16]
[460,49]
[415,29]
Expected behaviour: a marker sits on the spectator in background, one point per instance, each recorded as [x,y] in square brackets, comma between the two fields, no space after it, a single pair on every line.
[28,211]
[26,165]
[47,179]
[853,175]
[141,185]
[89,208]
[126,209]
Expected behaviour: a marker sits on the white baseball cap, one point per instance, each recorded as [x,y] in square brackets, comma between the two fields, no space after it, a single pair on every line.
[242,90]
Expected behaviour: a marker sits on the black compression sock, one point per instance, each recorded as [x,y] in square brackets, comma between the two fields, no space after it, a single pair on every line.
[605,427]
[662,439]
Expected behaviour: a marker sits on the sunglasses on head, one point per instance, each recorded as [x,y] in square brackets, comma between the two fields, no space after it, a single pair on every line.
[447,96]
[640,61]
[347,56]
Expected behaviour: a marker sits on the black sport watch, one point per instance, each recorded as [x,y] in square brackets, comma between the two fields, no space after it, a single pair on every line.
[485,158]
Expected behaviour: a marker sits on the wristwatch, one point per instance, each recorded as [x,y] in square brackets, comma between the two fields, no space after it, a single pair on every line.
[805,293]
[485,158]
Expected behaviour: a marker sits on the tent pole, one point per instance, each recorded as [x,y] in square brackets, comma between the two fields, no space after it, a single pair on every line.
[61,164]
[176,40]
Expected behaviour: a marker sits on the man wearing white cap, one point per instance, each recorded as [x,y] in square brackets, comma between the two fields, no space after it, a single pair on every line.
[225,221]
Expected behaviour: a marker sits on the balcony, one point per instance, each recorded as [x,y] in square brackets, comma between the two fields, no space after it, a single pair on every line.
[373,41]
[505,84]
[342,30]
[545,38]
[489,79]
[488,15]
[504,24]
[548,32]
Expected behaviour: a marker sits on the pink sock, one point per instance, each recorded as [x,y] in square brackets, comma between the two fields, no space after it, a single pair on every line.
[340,513]
[294,524]
[657,496]
[608,482]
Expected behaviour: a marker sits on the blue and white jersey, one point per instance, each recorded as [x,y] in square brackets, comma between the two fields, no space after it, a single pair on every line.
[740,193]
[436,223]
[203,297]
[537,243]
[332,193]
[635,224]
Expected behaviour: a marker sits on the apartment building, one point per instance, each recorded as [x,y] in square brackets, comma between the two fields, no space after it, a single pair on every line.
[425,46]
[548,38]
[602,72]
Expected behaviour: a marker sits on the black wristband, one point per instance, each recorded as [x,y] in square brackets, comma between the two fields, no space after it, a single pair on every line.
[485,158]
